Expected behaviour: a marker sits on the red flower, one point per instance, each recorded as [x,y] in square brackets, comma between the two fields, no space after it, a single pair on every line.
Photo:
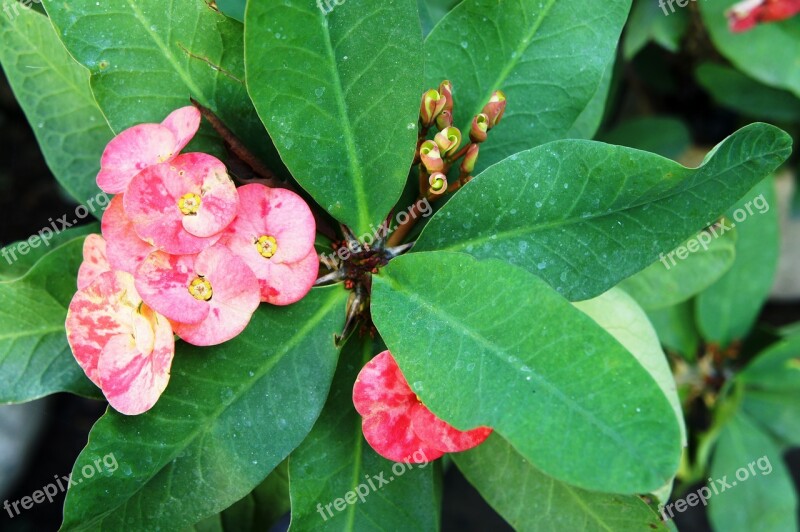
[746,15]
[396,424]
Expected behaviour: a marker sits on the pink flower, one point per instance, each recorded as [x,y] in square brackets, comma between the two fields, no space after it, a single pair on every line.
[145,145]
[124,248]
[94,260]
[274,234]
[210,297]
[747,14]
[182,206]
[123,346]
[396,423]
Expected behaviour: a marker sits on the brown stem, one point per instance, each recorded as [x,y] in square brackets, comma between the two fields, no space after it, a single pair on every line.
[402,230]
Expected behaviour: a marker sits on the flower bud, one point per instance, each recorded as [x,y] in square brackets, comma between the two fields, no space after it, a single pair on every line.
[430,156]
[470,158]
[438,183]
[495,108]
[480,125]
[432,105]
[446,90]
[448,140]
[444,120]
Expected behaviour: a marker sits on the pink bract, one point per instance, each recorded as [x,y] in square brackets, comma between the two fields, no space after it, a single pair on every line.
[396,424]
[274,234]
[182,206]
[94,260]
[210,297]
[123,346]
[124,249]
[145,145]
[745,15]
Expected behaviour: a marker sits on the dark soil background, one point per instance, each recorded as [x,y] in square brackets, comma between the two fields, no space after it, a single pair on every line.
[29,195]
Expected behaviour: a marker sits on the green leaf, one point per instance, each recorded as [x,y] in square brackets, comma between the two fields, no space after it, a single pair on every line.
[146,58]
[35,359]
[539,502]
[761,495]
[53,91]
[494,345]
[727,310]
[232,8]
[584,215]
[620,315]
[676,329]
[432,11]
[339,94]
[670,281]
[731,88]
[649,21]
[229,416]
[335,462]
[768,53]
[19,264]
[257,511]
[668,137]
[549,57]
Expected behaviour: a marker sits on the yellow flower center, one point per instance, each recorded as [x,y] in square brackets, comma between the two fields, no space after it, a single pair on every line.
[200,289]
[189,203]
[267,246]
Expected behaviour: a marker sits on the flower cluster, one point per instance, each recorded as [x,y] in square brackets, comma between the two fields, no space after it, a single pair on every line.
[396,423]
[749,13]
[182,251]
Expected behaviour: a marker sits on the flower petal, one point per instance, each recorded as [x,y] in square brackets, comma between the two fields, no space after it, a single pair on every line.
[384,399]
[152,204]
[183,123]
[94,260]
[124,248]
[220,200]
[163,282]
[443,436]
[131,379]
[96,314]
[132,151]
[235,298]
[287,283]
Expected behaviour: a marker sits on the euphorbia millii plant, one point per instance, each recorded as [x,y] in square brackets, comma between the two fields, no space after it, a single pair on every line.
[464,237]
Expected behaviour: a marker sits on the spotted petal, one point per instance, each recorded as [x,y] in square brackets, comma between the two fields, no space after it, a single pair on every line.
[124,248]
[132,151]
[183,123]
[163,281]
[94,260]
[443,436]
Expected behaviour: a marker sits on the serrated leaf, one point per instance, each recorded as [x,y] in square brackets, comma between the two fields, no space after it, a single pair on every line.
[229,416]
[767,53]
[35,359]
[53,91]
[539,502]
[727,310]
[339,92]
[670,281]
[549,57]
[493,345]
[335,460]
[762,497]
[584,215]
[146,58]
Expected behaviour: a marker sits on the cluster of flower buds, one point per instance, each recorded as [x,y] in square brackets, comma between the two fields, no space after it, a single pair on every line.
[182,251]
[437,156]
[749,13]
[395,422]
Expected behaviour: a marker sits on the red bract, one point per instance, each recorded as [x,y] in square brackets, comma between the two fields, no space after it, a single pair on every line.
[124,248]
[746,15]
[182,206]
[396,424]
[274,234]
[145,145]
[94,260]
[123,346]
[210,297]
